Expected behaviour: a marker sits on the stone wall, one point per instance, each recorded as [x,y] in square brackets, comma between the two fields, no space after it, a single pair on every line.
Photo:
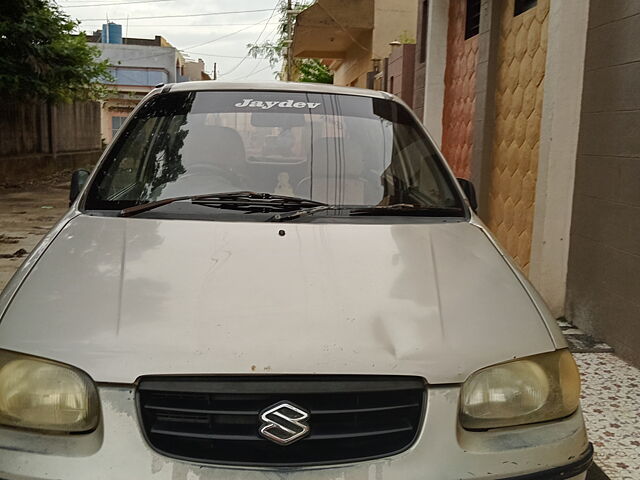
[38,139]
[603,284]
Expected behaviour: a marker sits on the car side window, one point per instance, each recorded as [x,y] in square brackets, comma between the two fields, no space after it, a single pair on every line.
[124,172]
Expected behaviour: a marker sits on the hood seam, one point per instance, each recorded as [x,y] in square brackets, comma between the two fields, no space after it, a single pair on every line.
[121,282]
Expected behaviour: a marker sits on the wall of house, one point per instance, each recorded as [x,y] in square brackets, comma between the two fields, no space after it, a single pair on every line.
[559,130]
[400,72]
[521,61]
[393,20]
[353,69]
[141,56]
[119,107]
[194,70]
[38,139]
[459,93]
[149,65]
[420,69]
[436,57]
[603,284]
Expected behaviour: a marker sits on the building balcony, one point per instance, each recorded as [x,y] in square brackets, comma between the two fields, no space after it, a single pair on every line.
[329,28]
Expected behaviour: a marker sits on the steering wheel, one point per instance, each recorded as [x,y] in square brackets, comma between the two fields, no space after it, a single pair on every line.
[208,169]
[300,185]
[307,180]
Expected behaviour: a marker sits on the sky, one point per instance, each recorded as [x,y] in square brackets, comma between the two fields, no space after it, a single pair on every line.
[190,27]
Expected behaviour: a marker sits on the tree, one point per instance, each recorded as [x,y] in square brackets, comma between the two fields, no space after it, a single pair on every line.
[313,70]
[305,69]
[41,59]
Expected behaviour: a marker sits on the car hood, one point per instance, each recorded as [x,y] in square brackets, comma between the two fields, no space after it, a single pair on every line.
[120,298]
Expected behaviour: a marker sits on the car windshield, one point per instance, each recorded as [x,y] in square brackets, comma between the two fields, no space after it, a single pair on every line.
[340,150]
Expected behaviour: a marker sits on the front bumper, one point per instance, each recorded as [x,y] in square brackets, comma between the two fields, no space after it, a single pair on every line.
[117,450]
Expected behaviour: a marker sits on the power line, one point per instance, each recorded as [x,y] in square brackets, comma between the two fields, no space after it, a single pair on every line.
[158,25]
[176,16]
[236,67]
[170,52]
[354,39]
[257,40]
[113,3]
[73,3]
[221,56]
[266,24]
[250,74]
[253,70]
[184,50]
[229,34]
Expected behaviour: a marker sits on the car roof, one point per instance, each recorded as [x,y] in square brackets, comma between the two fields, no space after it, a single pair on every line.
[275,86]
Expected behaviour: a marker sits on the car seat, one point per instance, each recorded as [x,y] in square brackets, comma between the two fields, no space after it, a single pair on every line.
[336,166]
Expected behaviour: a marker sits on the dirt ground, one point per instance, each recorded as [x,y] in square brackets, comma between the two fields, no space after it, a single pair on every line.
[27,212]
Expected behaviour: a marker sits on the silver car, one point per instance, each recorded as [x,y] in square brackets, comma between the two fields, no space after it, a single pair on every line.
[279,281]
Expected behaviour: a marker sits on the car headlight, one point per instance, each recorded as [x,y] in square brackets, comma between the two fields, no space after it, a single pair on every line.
[529,390]
[45,395]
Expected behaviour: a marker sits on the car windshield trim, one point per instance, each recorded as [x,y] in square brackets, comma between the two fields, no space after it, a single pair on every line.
[330,164]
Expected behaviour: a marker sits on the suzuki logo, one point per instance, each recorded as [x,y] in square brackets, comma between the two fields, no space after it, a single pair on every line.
[284,423]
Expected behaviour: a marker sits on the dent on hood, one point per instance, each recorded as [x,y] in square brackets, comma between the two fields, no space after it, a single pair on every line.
[130,297]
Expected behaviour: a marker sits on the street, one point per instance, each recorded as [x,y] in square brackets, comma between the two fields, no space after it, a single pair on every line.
[610,388]
[26,215]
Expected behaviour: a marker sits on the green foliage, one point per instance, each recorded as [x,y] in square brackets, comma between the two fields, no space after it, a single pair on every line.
[41,59]
[405,37]
[313,70]
[272,51]
[304,69]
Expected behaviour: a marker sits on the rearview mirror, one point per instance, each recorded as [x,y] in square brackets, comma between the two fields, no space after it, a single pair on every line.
[470,191]
[78,180]
[277,119]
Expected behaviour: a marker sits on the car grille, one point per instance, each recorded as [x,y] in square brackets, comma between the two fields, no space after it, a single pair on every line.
[216,420]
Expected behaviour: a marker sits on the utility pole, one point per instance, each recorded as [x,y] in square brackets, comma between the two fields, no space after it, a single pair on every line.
[289,40]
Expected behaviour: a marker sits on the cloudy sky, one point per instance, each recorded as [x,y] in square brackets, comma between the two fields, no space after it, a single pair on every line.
[193,26]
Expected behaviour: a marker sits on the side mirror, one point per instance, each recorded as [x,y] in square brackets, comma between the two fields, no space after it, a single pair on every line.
[78,180]
[470,191]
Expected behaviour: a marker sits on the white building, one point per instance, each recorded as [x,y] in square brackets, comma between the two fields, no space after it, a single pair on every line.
[137,65]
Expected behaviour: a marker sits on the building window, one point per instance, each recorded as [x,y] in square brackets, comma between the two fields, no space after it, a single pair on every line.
[116,123]
[424,21]
[138,76]
[522,6]
[472,24]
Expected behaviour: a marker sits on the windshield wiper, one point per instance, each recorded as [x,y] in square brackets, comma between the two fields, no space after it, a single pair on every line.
[228,200]
[407,209]
[371,210]
[303,212]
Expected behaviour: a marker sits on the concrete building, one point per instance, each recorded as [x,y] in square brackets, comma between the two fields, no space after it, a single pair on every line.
[399,71]
[353,37]
[536,102]
[603,284]
[194,71]
[137,65]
